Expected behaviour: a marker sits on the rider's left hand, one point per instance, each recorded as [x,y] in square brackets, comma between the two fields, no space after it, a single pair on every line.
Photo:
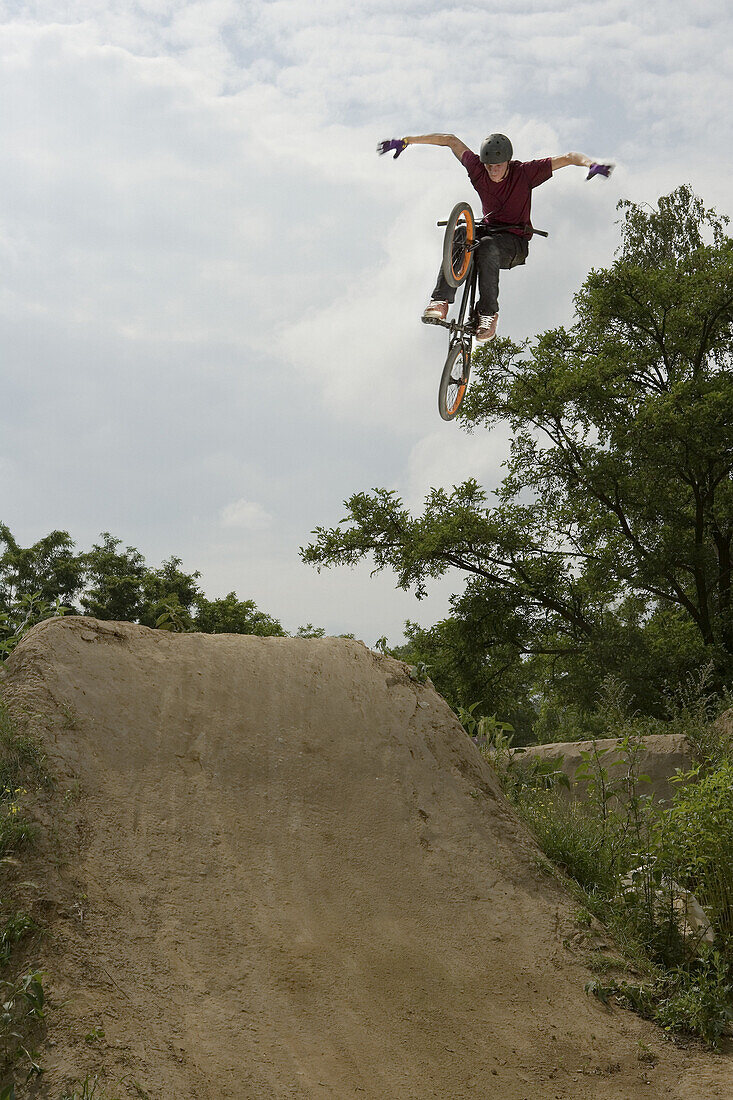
[398,144]
[600,170]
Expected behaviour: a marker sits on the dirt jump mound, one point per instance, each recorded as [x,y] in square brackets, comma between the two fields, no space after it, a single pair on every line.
[288,873]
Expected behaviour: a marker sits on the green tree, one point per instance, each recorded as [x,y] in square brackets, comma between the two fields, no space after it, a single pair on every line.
[49,570]
[232,616]
[111,583]
[454,655]
[613,528]
[165,587]
[114,581]
[308,630]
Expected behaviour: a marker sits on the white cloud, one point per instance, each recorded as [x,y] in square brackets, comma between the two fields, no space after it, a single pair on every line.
[210,285]
[444,458]
[248,514]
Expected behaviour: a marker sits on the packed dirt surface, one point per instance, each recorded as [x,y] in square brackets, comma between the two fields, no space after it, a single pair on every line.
[287,873]
[660,757]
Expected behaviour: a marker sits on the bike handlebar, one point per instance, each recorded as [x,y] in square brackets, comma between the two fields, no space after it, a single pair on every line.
[503,228]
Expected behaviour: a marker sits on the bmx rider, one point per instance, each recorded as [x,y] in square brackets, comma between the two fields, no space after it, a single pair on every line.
[505,188]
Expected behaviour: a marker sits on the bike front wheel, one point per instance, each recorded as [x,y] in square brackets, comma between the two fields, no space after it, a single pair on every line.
[460,233]
[454,380]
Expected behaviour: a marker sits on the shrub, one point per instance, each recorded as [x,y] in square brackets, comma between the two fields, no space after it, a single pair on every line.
[699,1000]
[695,838]
[686,844]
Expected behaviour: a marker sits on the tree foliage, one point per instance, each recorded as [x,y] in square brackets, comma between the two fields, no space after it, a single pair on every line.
[111,582]
[48,570]
[233,616]
[608,545]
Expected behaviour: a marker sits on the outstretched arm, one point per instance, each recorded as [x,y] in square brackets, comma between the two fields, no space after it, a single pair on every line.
[571,158]
[583,162]
[453,143]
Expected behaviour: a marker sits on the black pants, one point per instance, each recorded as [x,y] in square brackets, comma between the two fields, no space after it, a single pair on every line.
[498,251]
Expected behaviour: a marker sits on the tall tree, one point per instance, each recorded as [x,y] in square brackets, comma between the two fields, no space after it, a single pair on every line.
[615,522]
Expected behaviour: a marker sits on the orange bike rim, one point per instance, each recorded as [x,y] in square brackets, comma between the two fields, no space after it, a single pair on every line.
[460,274]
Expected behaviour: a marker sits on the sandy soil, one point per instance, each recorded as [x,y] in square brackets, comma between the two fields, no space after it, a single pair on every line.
[287,873]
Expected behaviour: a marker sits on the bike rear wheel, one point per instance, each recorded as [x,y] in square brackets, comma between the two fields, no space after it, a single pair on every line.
[454,380]
[460,233]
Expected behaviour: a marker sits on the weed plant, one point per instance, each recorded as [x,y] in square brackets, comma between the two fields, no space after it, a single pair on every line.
[697,998]
[15,927]
[22,762]
[22,614]
[88,1089]
[694,839]
[22,1008]
[15,830]
[693,709]
[22,767]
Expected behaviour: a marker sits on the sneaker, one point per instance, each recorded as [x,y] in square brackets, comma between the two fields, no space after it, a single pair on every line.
[486,330]
[436,311]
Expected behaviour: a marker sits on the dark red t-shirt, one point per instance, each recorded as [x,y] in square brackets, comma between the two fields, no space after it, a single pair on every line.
[508,202]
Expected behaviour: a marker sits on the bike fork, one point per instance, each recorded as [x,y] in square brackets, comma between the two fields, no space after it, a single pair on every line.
[466,307]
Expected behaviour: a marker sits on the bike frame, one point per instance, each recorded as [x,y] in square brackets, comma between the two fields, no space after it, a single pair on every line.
[461,330]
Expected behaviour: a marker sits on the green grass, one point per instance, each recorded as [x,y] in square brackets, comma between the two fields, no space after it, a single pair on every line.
[22,1018]
[22,761]
[571,837]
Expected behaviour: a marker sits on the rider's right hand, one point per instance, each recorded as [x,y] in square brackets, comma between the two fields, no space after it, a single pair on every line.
[600,170]
[398,144]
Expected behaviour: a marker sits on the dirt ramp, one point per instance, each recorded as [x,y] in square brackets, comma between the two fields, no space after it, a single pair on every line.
[297,877]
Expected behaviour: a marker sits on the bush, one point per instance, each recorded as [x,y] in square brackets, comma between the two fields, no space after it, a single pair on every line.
[695,838]
[686,844]
[699,1000]
[692,1000]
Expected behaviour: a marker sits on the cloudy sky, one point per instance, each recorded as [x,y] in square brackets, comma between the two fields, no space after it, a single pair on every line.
[211,286]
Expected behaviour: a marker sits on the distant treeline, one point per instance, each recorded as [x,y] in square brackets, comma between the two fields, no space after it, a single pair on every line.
[112,582]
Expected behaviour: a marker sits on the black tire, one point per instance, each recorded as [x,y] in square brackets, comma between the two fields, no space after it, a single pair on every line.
[460,232]
[454,380]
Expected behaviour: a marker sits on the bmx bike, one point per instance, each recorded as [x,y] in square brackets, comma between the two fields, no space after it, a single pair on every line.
[460,241]
[459,244]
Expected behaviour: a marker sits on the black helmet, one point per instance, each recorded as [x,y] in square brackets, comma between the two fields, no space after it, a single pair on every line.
[495,149]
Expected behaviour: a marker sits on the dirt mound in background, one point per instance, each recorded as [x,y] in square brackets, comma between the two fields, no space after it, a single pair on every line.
[295,877]
[662,754]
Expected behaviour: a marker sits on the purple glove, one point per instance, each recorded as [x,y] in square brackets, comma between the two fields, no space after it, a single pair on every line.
[600,170]
[398,144]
